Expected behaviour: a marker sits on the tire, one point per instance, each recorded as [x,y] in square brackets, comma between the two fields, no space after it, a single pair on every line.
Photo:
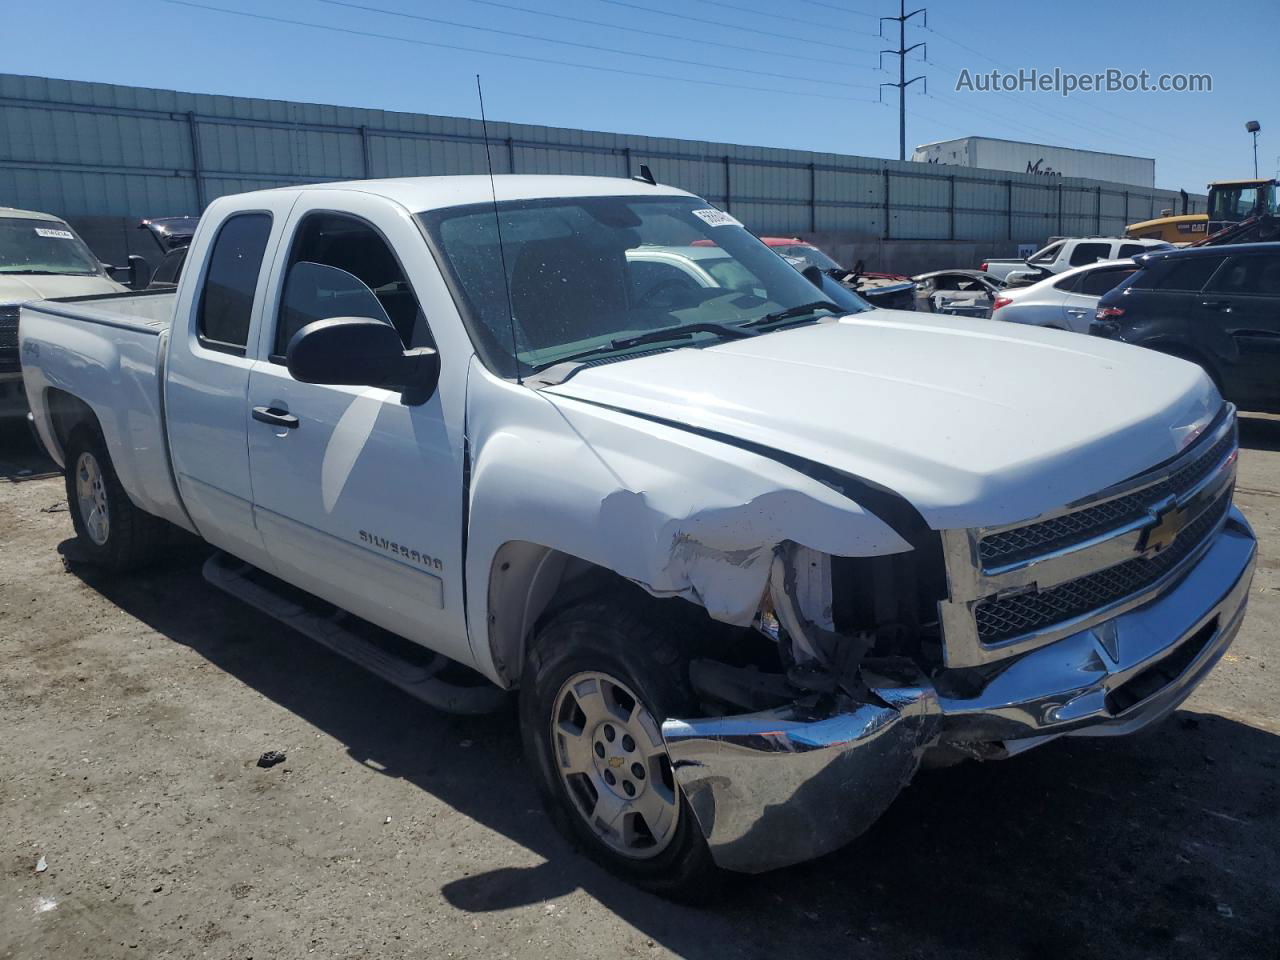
[627,651]
[110,529]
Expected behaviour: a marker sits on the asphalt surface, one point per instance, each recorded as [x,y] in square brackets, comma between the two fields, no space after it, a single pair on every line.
[133,712]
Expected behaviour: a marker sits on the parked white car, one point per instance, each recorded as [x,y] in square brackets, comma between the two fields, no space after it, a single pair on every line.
[40,257]
[1063,255]
[1065,302]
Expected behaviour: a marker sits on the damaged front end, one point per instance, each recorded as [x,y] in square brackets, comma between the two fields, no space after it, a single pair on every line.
[1097,619]
[793,780]
[781,786]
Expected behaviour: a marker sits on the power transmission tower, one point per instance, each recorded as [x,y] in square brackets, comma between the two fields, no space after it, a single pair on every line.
[901,53]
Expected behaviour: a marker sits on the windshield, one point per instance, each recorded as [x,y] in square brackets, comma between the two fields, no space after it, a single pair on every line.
[584,272]
[1239,203]
[809,255]
[43,246]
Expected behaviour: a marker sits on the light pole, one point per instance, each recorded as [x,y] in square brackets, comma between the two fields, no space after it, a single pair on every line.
[1253,126]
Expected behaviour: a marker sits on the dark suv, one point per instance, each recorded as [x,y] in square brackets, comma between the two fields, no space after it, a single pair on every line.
[1215,306]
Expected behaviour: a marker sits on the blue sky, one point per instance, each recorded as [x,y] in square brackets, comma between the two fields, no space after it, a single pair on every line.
[802,74]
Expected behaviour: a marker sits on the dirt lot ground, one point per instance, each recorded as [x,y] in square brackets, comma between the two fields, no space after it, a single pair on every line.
[133,710]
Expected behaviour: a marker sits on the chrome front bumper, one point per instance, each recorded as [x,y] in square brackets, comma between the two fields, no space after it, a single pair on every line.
[780,787]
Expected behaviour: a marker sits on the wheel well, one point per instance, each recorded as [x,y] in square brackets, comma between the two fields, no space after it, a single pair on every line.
[66,413]
[528,583]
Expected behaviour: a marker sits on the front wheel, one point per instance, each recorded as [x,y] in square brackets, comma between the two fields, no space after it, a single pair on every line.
[597,684]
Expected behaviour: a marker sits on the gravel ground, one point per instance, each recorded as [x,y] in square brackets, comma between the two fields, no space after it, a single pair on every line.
[133,711]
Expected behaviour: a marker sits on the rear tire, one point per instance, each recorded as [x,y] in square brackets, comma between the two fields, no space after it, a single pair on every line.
[110,529]
[599,679]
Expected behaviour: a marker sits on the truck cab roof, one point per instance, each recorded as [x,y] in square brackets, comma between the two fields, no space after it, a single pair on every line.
[431,193]
[15,214]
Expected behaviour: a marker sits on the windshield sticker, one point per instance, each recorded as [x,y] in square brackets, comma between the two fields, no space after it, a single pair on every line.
[716,218]
[54,234]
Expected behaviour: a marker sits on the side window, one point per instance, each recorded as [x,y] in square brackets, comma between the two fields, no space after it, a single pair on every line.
[339,266]
[1252,275]
[226,302]
[1067,284]
[1089,253]
[1097,282]
[1048,254]
[1128,250]
[170,268]
[1189,275]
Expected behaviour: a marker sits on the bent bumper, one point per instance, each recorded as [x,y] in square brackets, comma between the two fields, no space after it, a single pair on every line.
[783,786]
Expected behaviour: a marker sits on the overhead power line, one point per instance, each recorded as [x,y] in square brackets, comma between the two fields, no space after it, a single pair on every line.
[509,56]
[1119,116]
[772,16]
[630,28]
[651,11]
[349,5]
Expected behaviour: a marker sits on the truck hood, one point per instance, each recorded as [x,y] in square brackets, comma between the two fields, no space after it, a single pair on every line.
[975,422]
[23,288]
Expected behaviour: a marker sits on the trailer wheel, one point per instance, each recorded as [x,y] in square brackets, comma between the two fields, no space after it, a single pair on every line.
[598,682]
[111,530]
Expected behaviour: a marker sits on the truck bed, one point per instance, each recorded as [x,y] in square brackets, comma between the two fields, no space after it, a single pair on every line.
[107,352]
[150,311]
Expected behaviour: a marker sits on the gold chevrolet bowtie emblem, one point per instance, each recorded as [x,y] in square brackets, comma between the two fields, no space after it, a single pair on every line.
[615,761]
[1169,523]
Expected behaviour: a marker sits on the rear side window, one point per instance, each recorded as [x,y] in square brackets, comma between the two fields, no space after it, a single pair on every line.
[1131,250]
[226,302]
[1090,253]
[170,268]
[1189,275]
[1256,275]
[1049,253]
[1067,284]
[1097,282]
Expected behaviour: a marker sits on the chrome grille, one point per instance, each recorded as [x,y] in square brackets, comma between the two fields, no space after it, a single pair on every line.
[9,339]
[1023,543]
[1001,619]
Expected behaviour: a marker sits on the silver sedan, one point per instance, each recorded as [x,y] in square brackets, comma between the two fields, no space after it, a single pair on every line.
[1065,301]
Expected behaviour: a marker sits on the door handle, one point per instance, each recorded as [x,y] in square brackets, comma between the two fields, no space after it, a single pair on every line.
[275,416]
[1078,311]
[1223,305]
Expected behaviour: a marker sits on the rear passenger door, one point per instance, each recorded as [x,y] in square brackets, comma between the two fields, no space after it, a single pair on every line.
[358,496]
[1081,303]
[206,379]
[1243,298]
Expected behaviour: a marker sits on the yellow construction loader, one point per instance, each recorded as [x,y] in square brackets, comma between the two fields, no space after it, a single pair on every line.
[1230,201]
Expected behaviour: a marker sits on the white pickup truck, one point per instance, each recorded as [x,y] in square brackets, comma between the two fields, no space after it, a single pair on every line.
[749,558]
[1065,254]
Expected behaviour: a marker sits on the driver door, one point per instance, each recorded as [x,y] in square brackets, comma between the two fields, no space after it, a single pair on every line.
[358,496]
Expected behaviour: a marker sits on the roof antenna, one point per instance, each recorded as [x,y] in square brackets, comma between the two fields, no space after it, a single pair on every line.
[497,222]
[645,176]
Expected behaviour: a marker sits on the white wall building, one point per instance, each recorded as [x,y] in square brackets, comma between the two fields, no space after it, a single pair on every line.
[1035,158]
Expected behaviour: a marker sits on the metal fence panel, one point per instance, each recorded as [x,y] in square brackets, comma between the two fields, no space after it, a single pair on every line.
[101,149]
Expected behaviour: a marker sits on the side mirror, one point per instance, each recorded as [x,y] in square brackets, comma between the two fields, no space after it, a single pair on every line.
[362,352]
[140,272]
[813,273]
